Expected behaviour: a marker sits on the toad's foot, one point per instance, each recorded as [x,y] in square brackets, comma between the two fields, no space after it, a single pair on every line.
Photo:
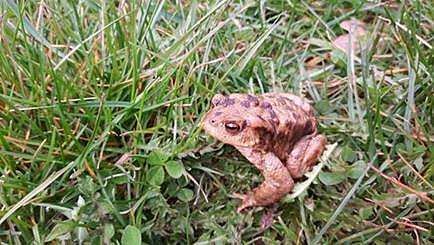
[248,200]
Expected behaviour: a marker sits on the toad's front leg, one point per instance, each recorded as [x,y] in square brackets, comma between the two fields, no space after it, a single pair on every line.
[277,183]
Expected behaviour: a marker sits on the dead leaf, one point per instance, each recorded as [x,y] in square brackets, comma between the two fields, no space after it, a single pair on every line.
[354,26]
[343,43]
[395,70]
[313,62]
[351,41]
[125,157]
[267,219]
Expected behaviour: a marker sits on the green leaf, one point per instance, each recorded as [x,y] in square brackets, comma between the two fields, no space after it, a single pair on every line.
[400,147]
[357,169]
[366,213]
[418,163]
[175,169]
[155,175]
[131,236]
[348,154]
[123,179]
[82,234]
[157,157]
[185,195]
[86,186]
[331,178]
[338,57]
[172,189]
[109,232]
[300,187]
[322,106]
[60,229]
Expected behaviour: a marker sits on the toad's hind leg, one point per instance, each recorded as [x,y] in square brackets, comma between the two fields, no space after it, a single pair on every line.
[277,183]
[304,154]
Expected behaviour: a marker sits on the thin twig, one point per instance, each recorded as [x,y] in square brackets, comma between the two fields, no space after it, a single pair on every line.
[408,223]
[421,195]
[415,171]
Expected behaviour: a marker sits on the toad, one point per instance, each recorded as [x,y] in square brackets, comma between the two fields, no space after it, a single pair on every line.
[277,132]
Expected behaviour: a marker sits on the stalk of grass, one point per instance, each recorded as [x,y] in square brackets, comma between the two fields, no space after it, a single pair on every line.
[341,206]
[35,192]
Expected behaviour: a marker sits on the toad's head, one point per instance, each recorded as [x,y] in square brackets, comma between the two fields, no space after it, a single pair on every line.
[232,122]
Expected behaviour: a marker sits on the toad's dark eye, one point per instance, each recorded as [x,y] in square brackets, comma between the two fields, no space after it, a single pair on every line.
[232,127]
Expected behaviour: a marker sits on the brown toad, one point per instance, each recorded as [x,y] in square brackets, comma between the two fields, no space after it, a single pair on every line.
[277,132]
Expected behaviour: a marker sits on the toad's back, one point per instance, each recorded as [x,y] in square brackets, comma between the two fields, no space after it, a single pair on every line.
[292,118]
[271,122]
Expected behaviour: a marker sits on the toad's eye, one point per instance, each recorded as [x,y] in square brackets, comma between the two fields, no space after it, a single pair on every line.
[232,127]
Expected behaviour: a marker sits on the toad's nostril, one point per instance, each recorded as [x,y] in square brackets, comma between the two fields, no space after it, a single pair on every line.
[212,121]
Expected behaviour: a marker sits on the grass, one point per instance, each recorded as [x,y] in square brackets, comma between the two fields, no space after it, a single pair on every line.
[100,103]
